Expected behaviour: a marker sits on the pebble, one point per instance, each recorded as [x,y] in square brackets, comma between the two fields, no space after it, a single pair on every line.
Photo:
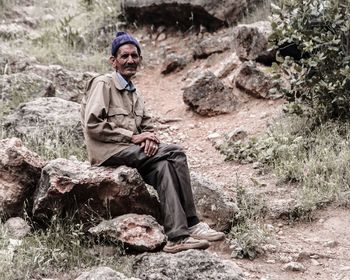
[330,244]
[345,268]
[213,135]
[294,266]
[314,262]
[271,261]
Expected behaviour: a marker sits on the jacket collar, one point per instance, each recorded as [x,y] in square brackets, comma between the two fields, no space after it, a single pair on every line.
[121,84]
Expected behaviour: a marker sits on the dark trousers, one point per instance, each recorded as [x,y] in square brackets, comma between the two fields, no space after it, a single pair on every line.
[167,171]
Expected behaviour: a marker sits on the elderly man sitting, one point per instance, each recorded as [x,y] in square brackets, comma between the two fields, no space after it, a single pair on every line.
[118,131]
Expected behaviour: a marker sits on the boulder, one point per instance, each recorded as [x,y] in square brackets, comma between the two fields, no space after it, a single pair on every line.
[22,87]
[251,42]
[46,120]
[91,193]
[173,63]
[211,45]
[214,205]
[136,232]
[252,80]
[103,273]
[17,228]
[227,66]
[19,176]
[191,264]
[70,85]
[185,13]
[208,96]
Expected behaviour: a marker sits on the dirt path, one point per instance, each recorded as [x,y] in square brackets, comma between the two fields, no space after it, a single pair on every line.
[321,247]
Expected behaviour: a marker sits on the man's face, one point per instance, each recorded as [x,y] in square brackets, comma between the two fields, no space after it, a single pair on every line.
[126,61]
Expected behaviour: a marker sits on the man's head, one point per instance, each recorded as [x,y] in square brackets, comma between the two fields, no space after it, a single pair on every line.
[126,55]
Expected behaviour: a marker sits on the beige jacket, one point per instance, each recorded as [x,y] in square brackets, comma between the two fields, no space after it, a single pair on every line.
[110,115]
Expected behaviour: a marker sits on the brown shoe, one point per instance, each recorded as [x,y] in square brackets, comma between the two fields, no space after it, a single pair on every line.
[202,231]
[185,244]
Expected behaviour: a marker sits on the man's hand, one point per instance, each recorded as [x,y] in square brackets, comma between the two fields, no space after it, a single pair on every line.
[148,141]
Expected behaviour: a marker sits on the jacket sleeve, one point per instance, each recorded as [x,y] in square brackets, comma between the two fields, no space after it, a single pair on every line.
[96,116]
[146,123]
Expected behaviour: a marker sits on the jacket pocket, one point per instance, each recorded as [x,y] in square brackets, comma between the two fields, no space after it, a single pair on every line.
[120,117]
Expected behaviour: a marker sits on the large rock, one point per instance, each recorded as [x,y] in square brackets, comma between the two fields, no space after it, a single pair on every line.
[214,205]
[252,80]
[137,232]
[70,85]
[22,87]
[191,264]
[73,187]
[173,63]
[208,96]
[19,176]
[251,42]
[183,14]
[17,228]
[47,119]
[211,45]
[103,273]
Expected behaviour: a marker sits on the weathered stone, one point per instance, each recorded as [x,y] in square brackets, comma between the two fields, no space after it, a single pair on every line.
[51,119]
[253,81]
[185,13]
[19,176]
[191,264]
[211,45]
[227,66]
[284,209]
[237,134]
[173,63]
[70,85]
[294,266]
[21,87]
[251,42]
[137,232]
[103,273]
[208,96]
[92,192]
[214,205]
[17,227]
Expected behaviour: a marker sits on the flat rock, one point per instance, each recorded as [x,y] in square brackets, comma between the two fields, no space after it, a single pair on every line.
[191,264]
[103,273]
[68,187]
[137,232]
[19,176]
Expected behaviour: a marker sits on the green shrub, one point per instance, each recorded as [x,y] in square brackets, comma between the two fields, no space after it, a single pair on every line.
[320,80]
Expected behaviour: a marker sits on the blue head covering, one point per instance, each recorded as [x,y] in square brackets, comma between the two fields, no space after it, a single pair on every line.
[123,38]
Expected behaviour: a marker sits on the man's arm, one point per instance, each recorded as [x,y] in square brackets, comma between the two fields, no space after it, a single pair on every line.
[96,122]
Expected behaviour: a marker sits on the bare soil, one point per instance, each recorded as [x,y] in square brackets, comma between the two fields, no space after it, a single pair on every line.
[321,246]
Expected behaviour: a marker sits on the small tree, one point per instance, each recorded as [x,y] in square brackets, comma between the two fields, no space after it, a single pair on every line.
[320,79]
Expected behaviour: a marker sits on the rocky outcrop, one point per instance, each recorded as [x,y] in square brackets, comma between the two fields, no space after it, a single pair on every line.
[17,228]
[70,85]
[103,273]
[208,96]
[191,264]
[12,31]
[21,87]
[185,13]
[214,205]
[251,42]
[211,45]
[19,175]
[136,232]
[48,119]
[77,189]
[252,80]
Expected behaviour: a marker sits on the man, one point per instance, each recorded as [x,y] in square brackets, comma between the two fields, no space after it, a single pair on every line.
[118,131]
